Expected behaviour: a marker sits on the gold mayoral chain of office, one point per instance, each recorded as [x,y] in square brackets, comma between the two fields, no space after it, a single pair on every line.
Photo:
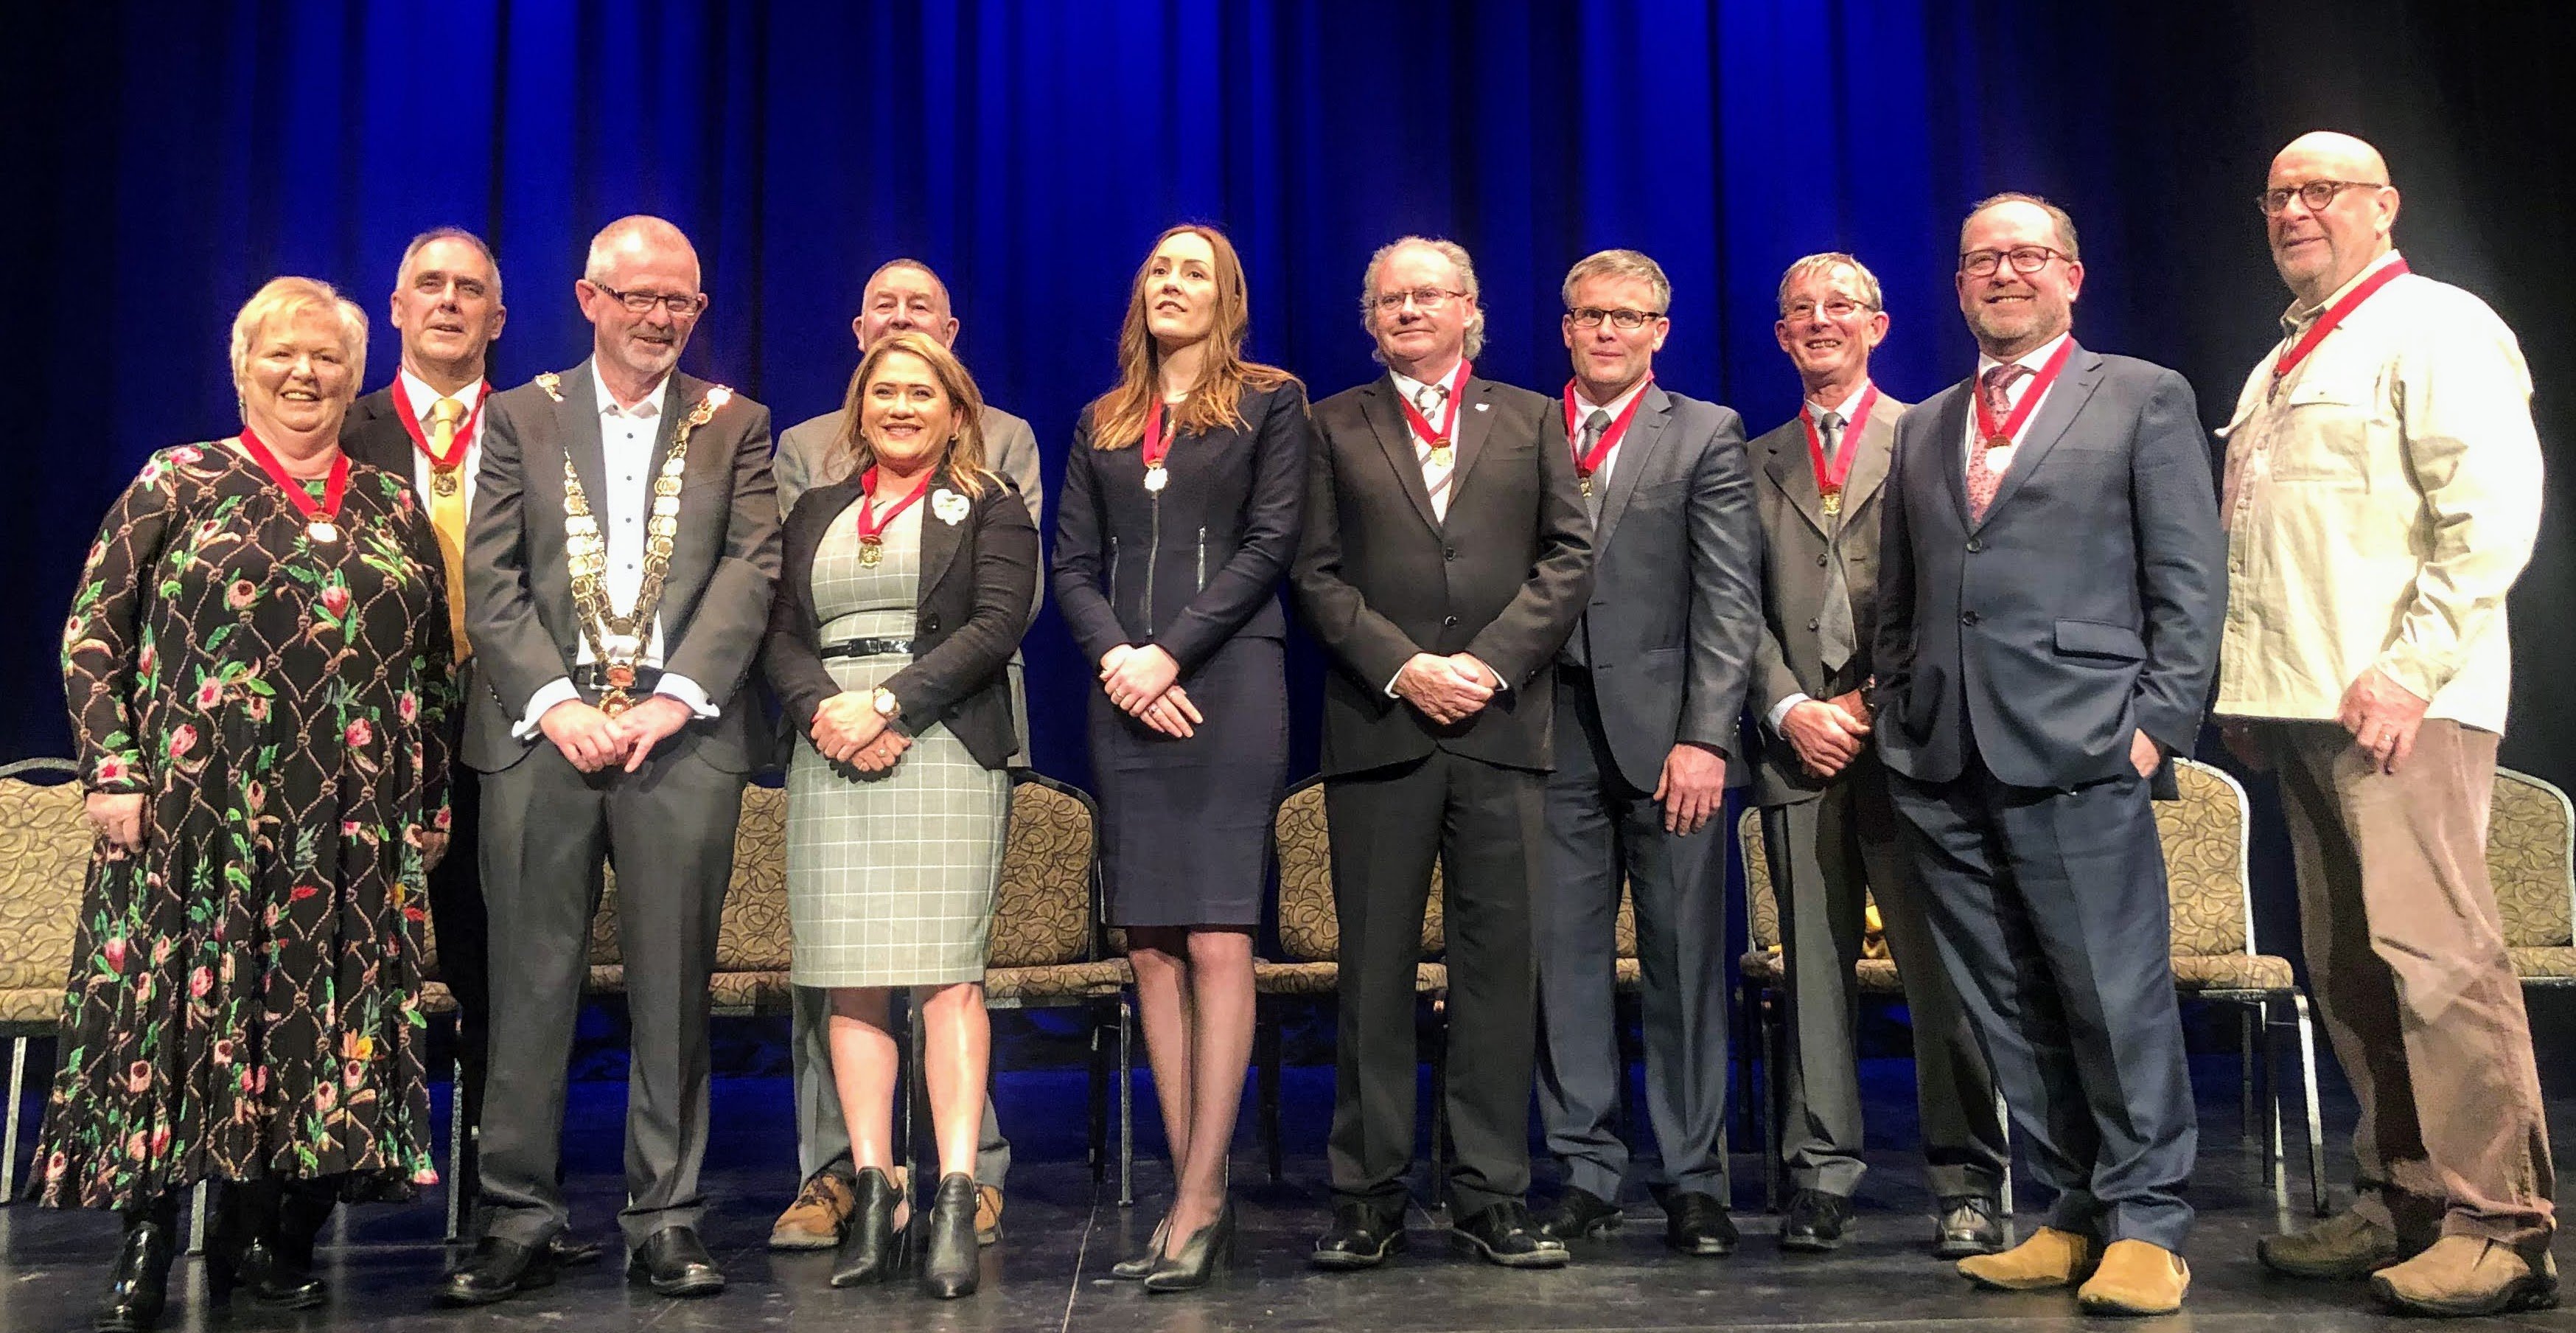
[586,549]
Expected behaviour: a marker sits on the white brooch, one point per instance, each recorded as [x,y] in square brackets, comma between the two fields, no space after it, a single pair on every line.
[1482,406]
[949,506]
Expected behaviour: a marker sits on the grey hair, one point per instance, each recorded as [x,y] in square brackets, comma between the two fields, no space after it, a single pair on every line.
[631,229]
[1450,250]
[402,271]
[2057,216]
[1823,265]
[284,299]
[1620,264]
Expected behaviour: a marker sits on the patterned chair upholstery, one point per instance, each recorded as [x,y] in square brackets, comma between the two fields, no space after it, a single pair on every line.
[45,845]
[2531,856]
[1761,962]
[752,943]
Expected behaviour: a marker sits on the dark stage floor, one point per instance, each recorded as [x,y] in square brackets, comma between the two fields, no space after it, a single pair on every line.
[1050,1273]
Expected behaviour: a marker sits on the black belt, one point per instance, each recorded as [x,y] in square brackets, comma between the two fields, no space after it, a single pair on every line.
[593,676]
[869,648]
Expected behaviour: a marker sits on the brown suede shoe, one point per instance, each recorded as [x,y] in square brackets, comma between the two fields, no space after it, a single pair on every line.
[2342,1247]
[2136,1277]
[988,1214]
[815,1220]
[2468,1275]
[2050,1258]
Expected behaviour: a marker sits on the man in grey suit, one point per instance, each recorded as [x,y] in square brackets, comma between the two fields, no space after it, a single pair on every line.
[1828,831]
[902,296]
[1649,688]
[2052,578]
[618,570]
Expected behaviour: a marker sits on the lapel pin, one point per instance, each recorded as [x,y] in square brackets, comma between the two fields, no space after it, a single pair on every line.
[1482,406]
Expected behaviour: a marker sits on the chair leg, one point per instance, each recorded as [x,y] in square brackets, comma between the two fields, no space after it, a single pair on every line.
[2316,1131]
[1775,1172]
[2273,1155]
[1440,1118]
[9,1152]
[1096,1098]
[2003,1117]
[2245,1024]
[455,1153]
[199,1201]
[1126,1103]
[1267,1039]
[907,1064]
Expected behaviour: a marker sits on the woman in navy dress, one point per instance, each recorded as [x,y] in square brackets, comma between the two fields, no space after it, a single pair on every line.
[1178,519]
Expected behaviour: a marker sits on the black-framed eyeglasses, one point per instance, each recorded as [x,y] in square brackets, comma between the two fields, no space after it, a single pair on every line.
[1423,298]
[642,303]
[2315,194]
[1590,317]
[2024,258]
[1838,308]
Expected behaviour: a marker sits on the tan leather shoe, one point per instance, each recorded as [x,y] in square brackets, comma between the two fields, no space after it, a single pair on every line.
[2136,1277]
[2344,1246]
[814,1221]
[988,1214]
[2468,1275]
[2050,1258]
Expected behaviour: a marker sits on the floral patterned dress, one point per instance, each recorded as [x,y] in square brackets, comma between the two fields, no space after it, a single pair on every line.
[244,999]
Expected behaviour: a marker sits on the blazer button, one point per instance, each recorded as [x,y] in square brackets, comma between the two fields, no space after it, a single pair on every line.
[1449,622]
[1811,624]
[1448,552]
[1820,561]
[930,624]
[1967,617]
[1974,546]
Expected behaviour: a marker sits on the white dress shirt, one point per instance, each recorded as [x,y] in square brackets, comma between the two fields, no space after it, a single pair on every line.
[1780,711]
[626,437]
[1453,410]
[1584,408]
[1999,461]
[420,397]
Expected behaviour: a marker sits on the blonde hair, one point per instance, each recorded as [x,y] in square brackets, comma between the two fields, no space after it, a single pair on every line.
[963,460]
[1118,416]
[1823,265]
[284,299]
[1456,254]
[1619,264]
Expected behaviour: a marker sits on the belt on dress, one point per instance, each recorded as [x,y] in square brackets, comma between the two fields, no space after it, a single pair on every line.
[594,676]
[869,648]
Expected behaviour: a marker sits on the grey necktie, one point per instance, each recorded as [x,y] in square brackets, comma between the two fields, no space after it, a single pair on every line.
[1835,638]
[1829,429]
[1594,427]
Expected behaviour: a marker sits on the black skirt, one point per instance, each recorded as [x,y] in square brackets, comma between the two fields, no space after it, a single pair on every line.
[1185,824]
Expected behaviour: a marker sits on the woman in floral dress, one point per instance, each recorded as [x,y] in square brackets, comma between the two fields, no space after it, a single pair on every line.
[256,664]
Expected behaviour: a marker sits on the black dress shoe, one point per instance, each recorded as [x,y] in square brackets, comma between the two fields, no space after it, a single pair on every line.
[950,1260]
[1361,1237]
[1815,1222]
[674,1262]
[1696,1223]
[1503,1235]
[1204,1255]
[138,1284]
[497,1270]
[1136,1267]
[248,1248]
[1971,1224]
[1580,1214]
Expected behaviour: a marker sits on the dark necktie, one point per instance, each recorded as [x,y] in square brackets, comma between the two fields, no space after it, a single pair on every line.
[1594,427]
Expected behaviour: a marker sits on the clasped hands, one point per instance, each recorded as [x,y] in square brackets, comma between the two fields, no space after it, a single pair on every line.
[1447,689]
[849,730]
[591,740]
[1143,682]
[1827,733]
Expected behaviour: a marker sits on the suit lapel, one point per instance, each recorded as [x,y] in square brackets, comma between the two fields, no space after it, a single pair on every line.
[577,416]
[1637,453]
[940,540]
[1877,443]
[1795,474]
[1949,435]
[1475,422]
[2065,399]
[1393,436]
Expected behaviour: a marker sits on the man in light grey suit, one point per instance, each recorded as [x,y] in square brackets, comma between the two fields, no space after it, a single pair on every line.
[619,565]
[1828,831]
[902,296]
[2051,584]
[1649,688]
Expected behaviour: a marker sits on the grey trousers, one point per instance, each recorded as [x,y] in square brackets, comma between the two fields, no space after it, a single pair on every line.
[1828,857]
[822,1137]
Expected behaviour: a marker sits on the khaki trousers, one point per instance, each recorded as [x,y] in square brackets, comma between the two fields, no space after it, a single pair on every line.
[2407,956]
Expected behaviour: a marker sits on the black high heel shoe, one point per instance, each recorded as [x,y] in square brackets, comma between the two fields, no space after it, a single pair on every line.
[1204,1255]
[1136,1267]
[949,1266]
[138,1286]
[872,1248]
[246,1252]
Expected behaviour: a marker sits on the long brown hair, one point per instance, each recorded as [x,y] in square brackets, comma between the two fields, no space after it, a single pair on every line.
[1118,416]
[963,460]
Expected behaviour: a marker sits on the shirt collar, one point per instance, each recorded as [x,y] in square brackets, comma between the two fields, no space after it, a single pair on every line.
[1411,388]
[1850,401]
[417,392]
[2297,318]
[2035,359]
[650,408]
[1583,406]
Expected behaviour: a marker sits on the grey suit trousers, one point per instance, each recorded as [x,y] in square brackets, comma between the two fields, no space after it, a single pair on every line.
[670,830]
[1600,829]
[1828,856]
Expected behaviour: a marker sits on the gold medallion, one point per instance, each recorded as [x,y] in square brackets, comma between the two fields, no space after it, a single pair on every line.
[1156,478]
[615,703]
[1833,503]
[871,550]
[1586,482]
[442,481]
[1440,453]
[1998,442]
[323,531]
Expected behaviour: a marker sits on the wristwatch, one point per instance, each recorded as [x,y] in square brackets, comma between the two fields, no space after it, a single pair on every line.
[887,706]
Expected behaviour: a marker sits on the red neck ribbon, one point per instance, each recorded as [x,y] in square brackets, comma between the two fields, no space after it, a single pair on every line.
[1413,416]
[870,524]
[1988,430]
[2334,315]
[1158,443]
[420,436]
[1587,464]
[1829,476]
[328,507]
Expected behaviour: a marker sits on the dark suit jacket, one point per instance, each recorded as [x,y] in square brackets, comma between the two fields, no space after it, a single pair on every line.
[2086,605]
[977,576]
[1191,567]
[1503,577]
[518,587]
[1674,615]
[1798,547]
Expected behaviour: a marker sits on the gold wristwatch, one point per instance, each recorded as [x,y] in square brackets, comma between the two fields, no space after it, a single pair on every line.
[887,706]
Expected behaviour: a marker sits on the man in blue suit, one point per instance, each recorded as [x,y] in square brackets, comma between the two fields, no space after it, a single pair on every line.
[2052,582]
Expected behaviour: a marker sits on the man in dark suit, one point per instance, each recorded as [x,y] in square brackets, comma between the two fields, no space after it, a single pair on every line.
[2051,585]
[1648,692]
[1828,831]
[1445,557]
[619,565]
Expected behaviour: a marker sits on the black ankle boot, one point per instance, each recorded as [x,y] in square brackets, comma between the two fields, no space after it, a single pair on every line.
[872,1250]
[138,1286]
[245,1250]
[301,1215]
[949,1268]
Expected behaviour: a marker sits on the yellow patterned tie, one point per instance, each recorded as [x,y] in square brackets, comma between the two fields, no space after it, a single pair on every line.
[447,515]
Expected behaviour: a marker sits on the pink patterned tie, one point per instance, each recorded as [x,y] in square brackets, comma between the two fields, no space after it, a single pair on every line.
[1996,387]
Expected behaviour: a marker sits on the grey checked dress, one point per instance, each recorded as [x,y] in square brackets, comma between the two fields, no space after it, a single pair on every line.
[890,876]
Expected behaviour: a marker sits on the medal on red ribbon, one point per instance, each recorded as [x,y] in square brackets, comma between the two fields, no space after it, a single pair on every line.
[443,471]
[1830,476]
[872,526]
[1585,464]
[1999,435]
[1158,446]
[2326,323]
[1437,439]
[317,513]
